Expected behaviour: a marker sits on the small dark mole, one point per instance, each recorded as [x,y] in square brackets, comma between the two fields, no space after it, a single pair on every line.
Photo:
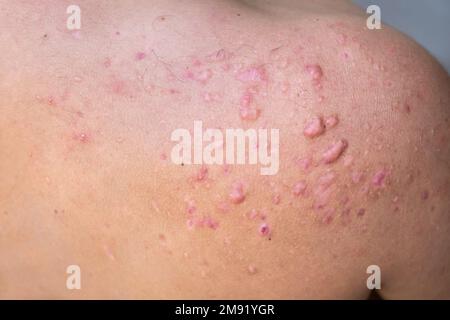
[238,14]
[45,35]
[182,164]
[55,211]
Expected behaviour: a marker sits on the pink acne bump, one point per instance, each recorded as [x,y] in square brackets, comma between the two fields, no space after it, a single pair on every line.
[379,178]
[299,188]
[334,151]
[331,121]
[140,55]
[314,128]
[237,194]
[316,73]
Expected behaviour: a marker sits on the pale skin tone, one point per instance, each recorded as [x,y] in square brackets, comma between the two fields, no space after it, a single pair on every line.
[87,177]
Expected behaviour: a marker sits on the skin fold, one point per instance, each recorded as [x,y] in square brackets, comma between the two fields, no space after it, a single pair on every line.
[88,179]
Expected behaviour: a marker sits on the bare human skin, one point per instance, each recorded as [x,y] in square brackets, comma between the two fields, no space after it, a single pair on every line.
[87,177]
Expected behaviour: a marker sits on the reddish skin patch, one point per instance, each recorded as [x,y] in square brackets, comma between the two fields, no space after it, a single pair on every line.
[361,212]
[118,87]
[200,76]
[357,176]
[49,100]
[210,223]
[211,97]
[314,127]
[237,194]
[334,151]
[407,108]
[276,199]
[249,113]
[140,55]
[81,137]
[107,62]
[425,195]
[328,218]
[379,178]
[202,174]
[191,207]
[223,207]
[246,99]
[299,188]
[252,74]
[304,163]
[264,230]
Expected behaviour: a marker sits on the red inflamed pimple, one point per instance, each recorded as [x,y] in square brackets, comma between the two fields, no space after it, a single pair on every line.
[264,230]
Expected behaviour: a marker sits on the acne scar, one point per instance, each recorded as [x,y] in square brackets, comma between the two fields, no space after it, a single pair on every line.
[237,194]
[334,151]
[314,127]
[316,73]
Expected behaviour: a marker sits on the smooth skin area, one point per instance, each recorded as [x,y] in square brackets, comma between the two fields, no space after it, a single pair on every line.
[87,176]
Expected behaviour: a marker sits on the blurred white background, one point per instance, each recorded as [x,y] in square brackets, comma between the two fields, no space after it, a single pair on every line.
[426,21]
